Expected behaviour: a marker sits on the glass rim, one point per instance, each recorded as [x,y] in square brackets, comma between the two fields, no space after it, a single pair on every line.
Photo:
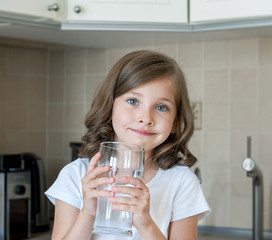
[140,148]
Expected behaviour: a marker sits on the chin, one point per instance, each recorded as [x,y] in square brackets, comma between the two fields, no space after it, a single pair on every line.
[139,143]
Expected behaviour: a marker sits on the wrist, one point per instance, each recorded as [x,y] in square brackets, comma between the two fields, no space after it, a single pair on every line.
[150,231]
[147,225]
[87,214]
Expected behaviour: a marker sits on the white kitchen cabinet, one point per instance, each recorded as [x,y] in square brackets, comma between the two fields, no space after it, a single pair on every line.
[139,11]
[221,10]
[39,9]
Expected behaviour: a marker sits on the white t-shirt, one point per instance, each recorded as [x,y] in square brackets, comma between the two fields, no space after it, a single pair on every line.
[174,194]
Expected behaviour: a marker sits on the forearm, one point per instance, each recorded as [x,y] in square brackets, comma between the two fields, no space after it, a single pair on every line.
[151,232]
[80,229]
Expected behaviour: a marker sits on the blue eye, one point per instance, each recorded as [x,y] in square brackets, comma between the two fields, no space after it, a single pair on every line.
[132,101]
[162,108]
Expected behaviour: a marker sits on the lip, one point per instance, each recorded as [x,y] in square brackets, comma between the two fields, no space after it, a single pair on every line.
[142,132]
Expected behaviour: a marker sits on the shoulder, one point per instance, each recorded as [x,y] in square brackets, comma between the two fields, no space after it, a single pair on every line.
[188,194]
[72,173]
[67,186]
[183,173]
[76,168]
[180,177]
[177,168]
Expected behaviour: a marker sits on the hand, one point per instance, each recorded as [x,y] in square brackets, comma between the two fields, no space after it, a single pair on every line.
[90,183]
[137,204]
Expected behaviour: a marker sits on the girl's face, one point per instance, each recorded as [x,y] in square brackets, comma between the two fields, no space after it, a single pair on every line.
[145,115]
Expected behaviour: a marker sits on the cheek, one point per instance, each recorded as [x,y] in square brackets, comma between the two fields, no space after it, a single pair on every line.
[168,130]
[120,117]
[174,127]
[171,127]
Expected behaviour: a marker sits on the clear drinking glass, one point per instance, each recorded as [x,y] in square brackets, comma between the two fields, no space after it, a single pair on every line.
[124,160]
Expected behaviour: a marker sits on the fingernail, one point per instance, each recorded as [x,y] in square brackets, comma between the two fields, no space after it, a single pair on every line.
[106,167]
[113,206]
[111,179]
[124,178]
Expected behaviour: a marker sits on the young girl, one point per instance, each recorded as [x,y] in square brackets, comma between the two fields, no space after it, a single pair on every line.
[142,101]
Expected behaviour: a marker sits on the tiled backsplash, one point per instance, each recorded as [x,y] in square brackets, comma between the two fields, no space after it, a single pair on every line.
[45,94]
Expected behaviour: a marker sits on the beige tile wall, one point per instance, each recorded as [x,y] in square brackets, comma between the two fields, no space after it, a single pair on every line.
[23,89]
[44,96]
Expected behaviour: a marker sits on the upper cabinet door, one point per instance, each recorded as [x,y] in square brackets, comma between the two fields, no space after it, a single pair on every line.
[217,10]
[140,11]
[49,9]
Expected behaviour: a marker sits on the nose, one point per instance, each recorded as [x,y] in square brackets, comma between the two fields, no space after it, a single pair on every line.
[145,117]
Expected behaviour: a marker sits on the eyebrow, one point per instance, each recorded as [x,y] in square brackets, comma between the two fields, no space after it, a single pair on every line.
[167,100]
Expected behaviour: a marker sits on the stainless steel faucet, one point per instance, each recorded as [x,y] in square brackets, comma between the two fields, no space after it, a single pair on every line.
[254,171]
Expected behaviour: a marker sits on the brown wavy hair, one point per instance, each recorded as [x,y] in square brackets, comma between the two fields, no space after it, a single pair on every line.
[132,70]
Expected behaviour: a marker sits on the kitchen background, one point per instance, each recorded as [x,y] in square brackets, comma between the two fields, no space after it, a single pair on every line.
[46,90]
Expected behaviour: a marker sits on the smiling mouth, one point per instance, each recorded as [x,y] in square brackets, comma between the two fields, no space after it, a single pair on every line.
[142,132]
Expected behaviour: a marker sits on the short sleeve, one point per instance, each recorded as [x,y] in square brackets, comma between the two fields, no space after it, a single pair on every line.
[189,199]
[67,187]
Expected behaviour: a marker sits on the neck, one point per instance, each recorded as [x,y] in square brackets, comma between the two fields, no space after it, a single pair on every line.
[150,170]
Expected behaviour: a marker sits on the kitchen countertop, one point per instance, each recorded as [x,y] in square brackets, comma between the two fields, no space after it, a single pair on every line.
[41,236]
[47,236]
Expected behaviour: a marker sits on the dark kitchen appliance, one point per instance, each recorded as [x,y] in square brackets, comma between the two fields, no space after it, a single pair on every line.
[15,203]
[75,147]
[38,184]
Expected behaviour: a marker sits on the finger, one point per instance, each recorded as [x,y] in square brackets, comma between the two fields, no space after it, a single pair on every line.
[101,171]
[124,200]
[132,191]
[102,182]
[138,183]
[124,207]
[94,193]
[98,187]
[93,162]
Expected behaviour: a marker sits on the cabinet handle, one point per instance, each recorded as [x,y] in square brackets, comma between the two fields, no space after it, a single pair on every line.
[54,7]
[77,9]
